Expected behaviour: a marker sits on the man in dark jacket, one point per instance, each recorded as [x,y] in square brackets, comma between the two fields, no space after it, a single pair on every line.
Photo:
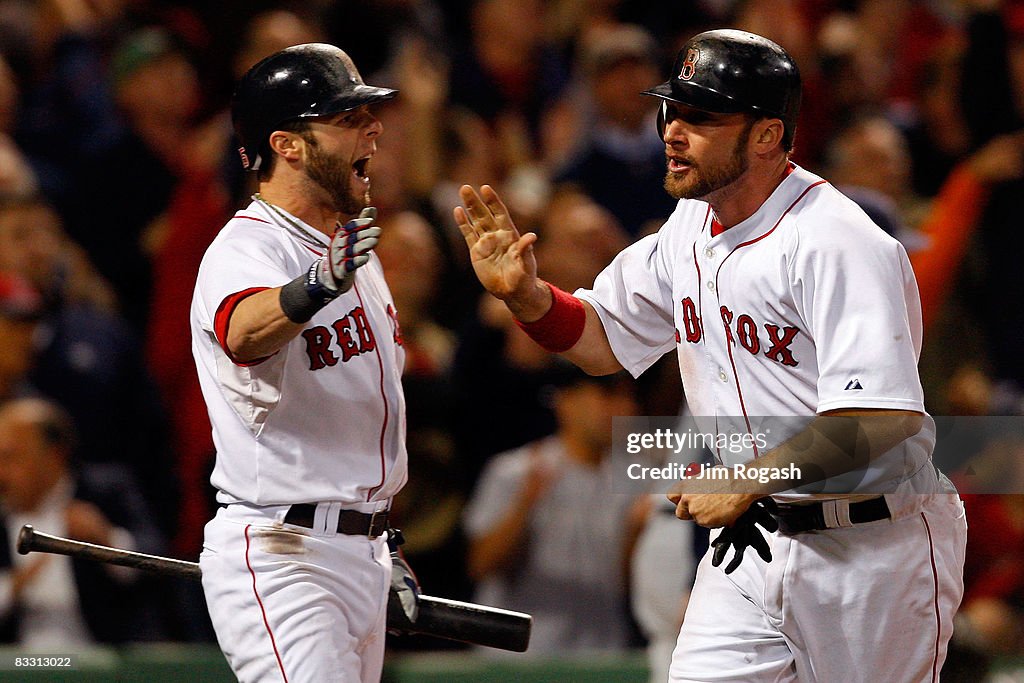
[49,601]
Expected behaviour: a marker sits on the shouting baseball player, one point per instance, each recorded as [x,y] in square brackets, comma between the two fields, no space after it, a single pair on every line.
[781,299]
[296,341]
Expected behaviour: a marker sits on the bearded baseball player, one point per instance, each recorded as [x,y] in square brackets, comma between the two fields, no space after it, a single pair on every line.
[782,299]
[296,342]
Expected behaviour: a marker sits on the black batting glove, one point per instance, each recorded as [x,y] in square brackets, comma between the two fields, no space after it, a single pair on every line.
[404,598]
[744,533]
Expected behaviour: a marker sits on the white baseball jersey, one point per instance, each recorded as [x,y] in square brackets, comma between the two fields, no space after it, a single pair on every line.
[804,307]
[323,419]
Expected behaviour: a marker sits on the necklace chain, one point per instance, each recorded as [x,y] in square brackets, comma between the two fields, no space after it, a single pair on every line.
[290,225]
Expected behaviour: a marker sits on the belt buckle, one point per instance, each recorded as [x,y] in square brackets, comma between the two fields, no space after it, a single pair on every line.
[378,523]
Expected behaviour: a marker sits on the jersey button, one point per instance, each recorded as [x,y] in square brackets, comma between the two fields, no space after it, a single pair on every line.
[711,285]
[709,252]
[722,376]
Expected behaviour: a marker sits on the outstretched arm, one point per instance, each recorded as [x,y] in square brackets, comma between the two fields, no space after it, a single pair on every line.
[834,443]
[259,327]
[506,266]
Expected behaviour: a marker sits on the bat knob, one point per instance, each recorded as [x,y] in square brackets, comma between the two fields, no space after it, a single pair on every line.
[26,539]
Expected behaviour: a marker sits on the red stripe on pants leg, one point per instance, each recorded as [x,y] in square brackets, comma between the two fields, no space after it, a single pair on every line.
[263,611]
[935,580]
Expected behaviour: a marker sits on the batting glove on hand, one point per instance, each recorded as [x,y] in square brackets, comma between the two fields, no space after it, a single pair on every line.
[744,533]
[404,598]
[350,249]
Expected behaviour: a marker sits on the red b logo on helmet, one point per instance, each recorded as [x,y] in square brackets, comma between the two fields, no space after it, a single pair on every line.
[689,64]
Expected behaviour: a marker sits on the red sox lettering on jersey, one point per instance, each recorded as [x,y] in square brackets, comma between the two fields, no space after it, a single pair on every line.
[745,331]
[351,335]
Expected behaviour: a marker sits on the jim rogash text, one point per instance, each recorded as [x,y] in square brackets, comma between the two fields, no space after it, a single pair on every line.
[674,471]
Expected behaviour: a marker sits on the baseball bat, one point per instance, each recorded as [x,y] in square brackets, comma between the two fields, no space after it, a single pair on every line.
[438,617]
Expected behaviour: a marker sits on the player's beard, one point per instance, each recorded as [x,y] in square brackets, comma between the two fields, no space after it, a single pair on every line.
[334,176]
[701,181]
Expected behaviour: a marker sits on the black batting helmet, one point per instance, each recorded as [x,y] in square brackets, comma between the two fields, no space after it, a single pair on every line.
[301,81]
[729,71]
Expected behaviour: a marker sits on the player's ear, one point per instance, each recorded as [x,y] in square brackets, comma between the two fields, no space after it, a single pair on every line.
[287,144]
[766,134]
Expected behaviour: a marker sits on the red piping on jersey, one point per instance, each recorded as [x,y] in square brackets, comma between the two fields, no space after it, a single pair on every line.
[383,397]
[700,290]
[222,318]
[739,246]
[700,309]
[700,313]
[758,239]
[935,602]
[253,218]
[739,391]
[263,611]
[260,220]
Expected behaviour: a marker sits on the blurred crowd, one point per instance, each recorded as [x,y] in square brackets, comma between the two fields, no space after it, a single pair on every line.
[118,166]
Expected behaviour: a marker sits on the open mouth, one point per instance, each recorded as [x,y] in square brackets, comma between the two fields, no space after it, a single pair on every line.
[678,165]
[361,168]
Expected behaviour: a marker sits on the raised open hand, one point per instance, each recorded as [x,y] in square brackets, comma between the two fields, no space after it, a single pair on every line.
[503,259]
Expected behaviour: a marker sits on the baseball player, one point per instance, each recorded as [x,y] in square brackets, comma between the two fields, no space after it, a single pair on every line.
[296,341]
[781,299]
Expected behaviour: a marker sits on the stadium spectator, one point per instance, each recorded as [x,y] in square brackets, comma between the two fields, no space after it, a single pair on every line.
[52,602]
[509,74]
[118,210]
[621,159]
[547,535]
[86,358]
[21,308]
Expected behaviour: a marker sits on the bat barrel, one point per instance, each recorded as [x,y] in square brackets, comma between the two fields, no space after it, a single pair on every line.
[488,626]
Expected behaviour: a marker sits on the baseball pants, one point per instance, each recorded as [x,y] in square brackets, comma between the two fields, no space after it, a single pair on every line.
[292,605]
[872,602]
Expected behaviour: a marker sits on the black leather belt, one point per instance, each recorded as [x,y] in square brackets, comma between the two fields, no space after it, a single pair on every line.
[796,519]
[351,522]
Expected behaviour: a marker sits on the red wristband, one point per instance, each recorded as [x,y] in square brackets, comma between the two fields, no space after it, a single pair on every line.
[562,326]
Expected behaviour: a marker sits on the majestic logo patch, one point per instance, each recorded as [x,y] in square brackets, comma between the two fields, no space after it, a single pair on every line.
[853,385]
[689,64]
